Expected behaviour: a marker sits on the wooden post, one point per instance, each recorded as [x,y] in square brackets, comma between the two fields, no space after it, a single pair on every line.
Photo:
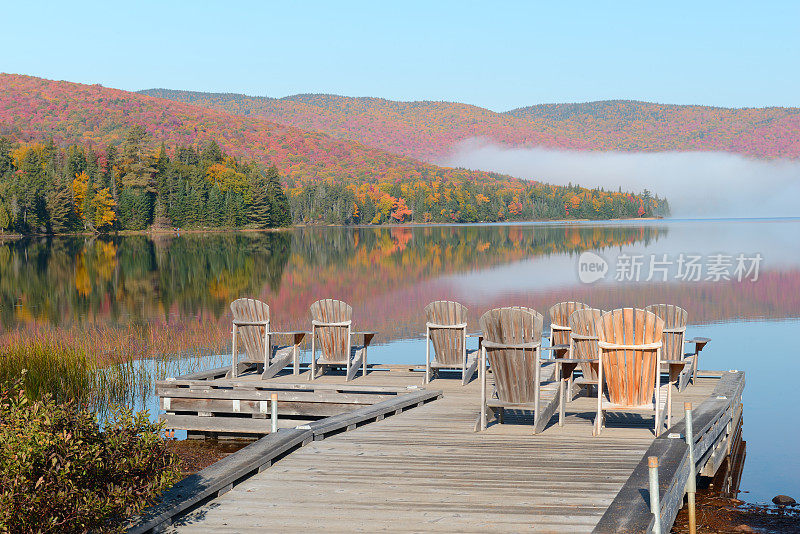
[537,377]
[691,482]
[274,412]
[655,501]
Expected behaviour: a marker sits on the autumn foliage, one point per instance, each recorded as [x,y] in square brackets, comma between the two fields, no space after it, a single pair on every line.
[328,180]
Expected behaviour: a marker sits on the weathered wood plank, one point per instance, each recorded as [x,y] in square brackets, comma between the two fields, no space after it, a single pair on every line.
[195,489]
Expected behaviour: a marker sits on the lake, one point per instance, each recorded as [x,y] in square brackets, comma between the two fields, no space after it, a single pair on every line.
[134,297]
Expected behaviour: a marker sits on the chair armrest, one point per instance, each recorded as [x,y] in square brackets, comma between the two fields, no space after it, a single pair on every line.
[560,361]
[479,335]
[251,323]
[556,347]
[298,335]
[366,336]
[676,362]
[699,343]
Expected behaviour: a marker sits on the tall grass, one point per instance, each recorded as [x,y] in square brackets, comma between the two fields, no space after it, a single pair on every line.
[101,366]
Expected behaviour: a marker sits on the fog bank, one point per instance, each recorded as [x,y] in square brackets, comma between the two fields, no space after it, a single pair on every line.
[697,184]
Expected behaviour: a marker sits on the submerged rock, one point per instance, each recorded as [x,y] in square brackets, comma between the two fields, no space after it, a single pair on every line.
[783,500]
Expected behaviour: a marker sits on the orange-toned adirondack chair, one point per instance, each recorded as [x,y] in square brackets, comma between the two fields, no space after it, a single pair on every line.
[583,343]
[629,340]
[674,340]
[331,322]
[446,328]
[251,326]
[512,339]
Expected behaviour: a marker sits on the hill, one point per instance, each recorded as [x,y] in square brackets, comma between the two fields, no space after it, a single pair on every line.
[630,125]
[328,180]
[430,130]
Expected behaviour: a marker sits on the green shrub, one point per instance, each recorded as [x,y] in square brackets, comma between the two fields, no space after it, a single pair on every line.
[61,472]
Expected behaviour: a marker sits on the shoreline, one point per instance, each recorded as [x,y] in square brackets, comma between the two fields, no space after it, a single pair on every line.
[160,232]
[179,231]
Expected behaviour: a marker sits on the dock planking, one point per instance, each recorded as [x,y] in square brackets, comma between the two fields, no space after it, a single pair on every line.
[426,469]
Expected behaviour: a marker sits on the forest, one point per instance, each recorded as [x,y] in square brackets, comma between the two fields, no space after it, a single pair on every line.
[425,199]
[88,158]
[135,186]
[431,130]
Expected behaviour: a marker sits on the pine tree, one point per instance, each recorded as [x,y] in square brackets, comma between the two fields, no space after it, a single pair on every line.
[280,213]
[259,204]
[60,208]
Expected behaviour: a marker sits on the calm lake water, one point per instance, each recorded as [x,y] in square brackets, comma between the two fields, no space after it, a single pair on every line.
[136,296]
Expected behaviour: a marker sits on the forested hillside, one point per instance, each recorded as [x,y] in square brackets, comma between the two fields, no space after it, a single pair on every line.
[327,180]
[430,130]
[47,189]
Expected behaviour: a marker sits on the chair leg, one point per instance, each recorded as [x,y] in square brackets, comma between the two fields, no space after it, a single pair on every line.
[313,374]
[427,355]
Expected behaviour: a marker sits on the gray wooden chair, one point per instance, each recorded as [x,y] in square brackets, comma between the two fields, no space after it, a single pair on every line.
[560,331]
[512,339]
[446,328]
[331,322]
[251,326]
[583,344]
[681,364]
[629,342]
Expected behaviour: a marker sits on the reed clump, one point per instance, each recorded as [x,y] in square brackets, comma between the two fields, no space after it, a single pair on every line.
[100,367]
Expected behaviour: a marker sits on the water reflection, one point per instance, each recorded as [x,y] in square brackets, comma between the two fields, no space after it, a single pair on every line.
[132,297]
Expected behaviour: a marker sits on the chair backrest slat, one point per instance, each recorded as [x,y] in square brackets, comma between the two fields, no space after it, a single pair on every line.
[583,324]
[251,337]
[514,369]
[559,315]
[675,319]
[631,373]
[333,340]
[448,343]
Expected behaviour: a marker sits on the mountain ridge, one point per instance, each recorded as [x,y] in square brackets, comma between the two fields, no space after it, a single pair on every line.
[432,130]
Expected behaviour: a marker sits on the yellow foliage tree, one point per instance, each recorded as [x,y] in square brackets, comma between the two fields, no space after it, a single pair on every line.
[80,186]
[104,214]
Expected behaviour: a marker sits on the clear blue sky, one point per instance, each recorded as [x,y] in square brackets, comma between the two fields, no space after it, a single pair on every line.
[498,55]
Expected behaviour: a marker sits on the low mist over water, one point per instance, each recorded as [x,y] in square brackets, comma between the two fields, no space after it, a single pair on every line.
[696,184]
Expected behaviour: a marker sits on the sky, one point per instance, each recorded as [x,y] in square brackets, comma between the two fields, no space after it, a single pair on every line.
[498,55]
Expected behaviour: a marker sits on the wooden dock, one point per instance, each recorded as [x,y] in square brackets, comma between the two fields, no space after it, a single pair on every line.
[413,462]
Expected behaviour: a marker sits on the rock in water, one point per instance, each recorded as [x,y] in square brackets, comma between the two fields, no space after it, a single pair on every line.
[783,500]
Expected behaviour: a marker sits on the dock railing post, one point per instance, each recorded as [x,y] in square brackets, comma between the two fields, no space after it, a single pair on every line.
[274,412]
[655,501]
[691,482]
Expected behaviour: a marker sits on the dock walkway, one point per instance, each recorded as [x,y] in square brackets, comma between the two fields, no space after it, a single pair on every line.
[426,469]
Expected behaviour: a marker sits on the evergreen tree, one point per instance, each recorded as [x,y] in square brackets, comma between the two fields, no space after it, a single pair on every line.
[280,213]
[259,207]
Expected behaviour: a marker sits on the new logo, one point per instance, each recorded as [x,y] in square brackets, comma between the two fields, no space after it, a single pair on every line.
[591,267]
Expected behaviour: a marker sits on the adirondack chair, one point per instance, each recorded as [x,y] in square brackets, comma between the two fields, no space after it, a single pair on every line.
[446,327]
[629,340]
[559,324]
[251,325]
[681,365]
[331,322]
[583,344]
[512,346]
[559,330]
